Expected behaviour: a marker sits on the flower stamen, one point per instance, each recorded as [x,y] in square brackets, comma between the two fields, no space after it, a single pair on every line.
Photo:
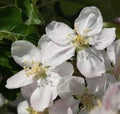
[37,69]
[31,111]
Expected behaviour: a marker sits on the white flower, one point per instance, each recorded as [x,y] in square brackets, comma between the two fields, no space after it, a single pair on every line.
[88,31]
[111,101]
[35,72]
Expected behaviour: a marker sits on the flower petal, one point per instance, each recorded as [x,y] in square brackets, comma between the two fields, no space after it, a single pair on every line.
[43,97]
[89,22]
[104,39]
[64,69]
[113,52]
[90,62]
[59,32]
[21,109]
[62,106]
[54,54]
[110,100]
[69,86]
[28,90]
[19,80]
[24,53]
[98,85]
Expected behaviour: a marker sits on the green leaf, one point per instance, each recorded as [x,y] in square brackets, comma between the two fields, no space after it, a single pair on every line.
[30,12]
[11,25]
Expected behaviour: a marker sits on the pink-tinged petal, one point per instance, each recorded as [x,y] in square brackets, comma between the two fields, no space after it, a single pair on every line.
[109,99]
[63,106]
[64,69]
[69,86]
[90,62]
[89,22]
[113,52]
[24,53]
[54,54]
[59,32]
[43,97]
[59,107]
[104,39]
[28,90]
[98,85]
[19,80]
[22,107]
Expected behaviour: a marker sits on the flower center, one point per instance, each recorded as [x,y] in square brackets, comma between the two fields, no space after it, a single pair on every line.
[37,70]
[79,42]
[31,111]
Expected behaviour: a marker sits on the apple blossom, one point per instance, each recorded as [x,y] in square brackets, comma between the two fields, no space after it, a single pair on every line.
[63,41]
[111,101]
[34,71]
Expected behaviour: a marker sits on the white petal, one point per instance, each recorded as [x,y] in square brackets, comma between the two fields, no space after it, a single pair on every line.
[21,109]
[54,54]
[113,52]
[98,85]
[43,97]
[64,69]
[89,22]
[62,106]
[24,53]
[19,80]
[104,39]
[59,32]
[109,99]
[28,90]
[69,86]
[69,111]
[90,62]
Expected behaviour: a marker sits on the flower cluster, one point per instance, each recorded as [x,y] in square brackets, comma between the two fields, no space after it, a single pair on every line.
[71,69]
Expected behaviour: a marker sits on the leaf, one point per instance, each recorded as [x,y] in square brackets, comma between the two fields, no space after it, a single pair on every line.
[30,12]
[11,25]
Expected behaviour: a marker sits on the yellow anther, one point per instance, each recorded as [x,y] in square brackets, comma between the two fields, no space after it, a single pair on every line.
[31,111]
[36,70]
[99,103]
[79,41]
